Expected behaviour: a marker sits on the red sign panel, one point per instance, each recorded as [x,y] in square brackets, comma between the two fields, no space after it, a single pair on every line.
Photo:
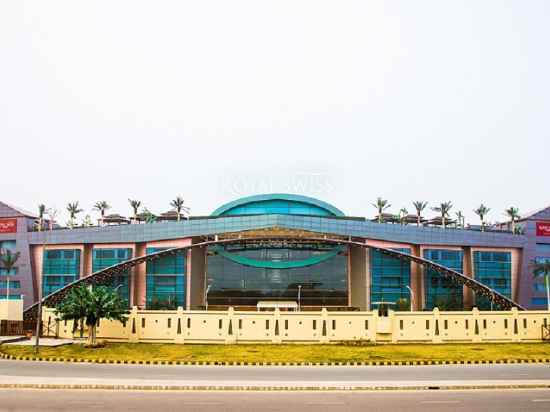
[543,229]
[8,225]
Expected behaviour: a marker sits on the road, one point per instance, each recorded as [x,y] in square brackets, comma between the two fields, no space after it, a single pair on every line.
[395,401]
[232,376]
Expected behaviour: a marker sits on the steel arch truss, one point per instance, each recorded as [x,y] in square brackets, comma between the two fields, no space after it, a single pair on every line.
[100,277]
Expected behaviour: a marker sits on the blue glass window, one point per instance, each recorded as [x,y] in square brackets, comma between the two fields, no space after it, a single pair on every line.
[60,267]
[165,281]
[389,277]
[493,269]
[103,258]
[441,291]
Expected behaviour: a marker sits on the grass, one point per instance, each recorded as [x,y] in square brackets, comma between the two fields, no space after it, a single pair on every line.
[292,353]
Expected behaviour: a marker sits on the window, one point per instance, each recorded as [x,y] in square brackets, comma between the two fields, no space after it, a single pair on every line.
[60,267]
[494,269]
[539,287]
[539,301]
[543,248]
[14,284]
[441,291]
[389,277]
[103,258]
[165,281]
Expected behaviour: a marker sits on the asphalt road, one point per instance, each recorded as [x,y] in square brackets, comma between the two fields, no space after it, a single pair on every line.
[77,400]
[340,376]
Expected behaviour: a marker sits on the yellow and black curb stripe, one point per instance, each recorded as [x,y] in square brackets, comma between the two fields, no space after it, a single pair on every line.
[260,388]
[224,363]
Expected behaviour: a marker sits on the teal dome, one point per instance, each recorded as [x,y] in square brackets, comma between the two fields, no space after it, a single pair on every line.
[279,203]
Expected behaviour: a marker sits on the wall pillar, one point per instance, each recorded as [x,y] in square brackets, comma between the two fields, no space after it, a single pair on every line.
[416,280]
[140,278]
[357,288]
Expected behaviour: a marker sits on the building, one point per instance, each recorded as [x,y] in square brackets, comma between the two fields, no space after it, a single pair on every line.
[280,247]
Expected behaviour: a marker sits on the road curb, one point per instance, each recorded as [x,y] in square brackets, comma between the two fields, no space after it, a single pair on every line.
[189,388]
[223,363]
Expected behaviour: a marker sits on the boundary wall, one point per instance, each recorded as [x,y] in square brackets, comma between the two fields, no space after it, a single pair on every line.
[231,327]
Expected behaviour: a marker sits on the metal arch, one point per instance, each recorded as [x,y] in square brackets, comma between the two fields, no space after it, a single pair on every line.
[107,273]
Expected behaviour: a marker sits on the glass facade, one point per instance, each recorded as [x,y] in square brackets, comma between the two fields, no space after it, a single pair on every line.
[103,258]
[272,272]
[59,268]
[165,281]
[14,284]
[440,291]
[493,269]
[389,279]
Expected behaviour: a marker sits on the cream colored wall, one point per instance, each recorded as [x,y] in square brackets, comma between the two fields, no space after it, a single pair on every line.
[229,326]
[11,309]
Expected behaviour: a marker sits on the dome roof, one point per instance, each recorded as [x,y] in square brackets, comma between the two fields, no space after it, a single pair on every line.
[277,203]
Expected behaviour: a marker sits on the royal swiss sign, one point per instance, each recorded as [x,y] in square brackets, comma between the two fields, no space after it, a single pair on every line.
[8,225]
[543,228]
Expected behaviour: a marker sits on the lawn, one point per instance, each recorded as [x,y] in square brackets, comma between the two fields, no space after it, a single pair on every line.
[292,353]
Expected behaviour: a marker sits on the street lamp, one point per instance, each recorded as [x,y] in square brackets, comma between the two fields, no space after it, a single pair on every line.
[412,296]
[206,295]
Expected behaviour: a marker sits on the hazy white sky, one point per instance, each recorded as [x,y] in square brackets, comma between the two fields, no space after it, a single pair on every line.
[341,100]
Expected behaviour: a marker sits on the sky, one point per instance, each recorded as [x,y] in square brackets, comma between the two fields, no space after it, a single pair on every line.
[345,101]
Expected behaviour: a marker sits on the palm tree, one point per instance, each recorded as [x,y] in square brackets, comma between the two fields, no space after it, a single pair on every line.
[444,209]
[381,205]
[135,204]
[41,211]
[9,259]
[92,304]
[482,211]
[419,205]
[513,214]
[73,210]
[460,219]
[542,268]
[402,215]
[149,216]
[102,206]
[52,214]
[178,205]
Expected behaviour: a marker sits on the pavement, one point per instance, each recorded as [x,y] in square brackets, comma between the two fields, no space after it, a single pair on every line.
[52,342]
[7,339]
[21,374]
[397,401]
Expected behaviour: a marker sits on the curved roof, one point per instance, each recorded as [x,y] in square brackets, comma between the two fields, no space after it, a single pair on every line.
[277,203]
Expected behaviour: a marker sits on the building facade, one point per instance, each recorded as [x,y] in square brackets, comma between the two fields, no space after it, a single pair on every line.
[284,258]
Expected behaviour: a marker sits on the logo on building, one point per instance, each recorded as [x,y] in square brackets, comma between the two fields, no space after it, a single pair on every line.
[543,229]
[8,225]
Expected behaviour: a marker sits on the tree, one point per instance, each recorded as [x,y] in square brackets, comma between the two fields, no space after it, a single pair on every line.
[92,304]
[482,211]
[419,205]
[542,268]
[460,219]
[178,205]
[403,213]
[513,214]
[381,205]
[73,209]
[9,259]
[149,216]
[135,204]
[52,214]
[403,304]
[41,211]
[102,206]
[444,209]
